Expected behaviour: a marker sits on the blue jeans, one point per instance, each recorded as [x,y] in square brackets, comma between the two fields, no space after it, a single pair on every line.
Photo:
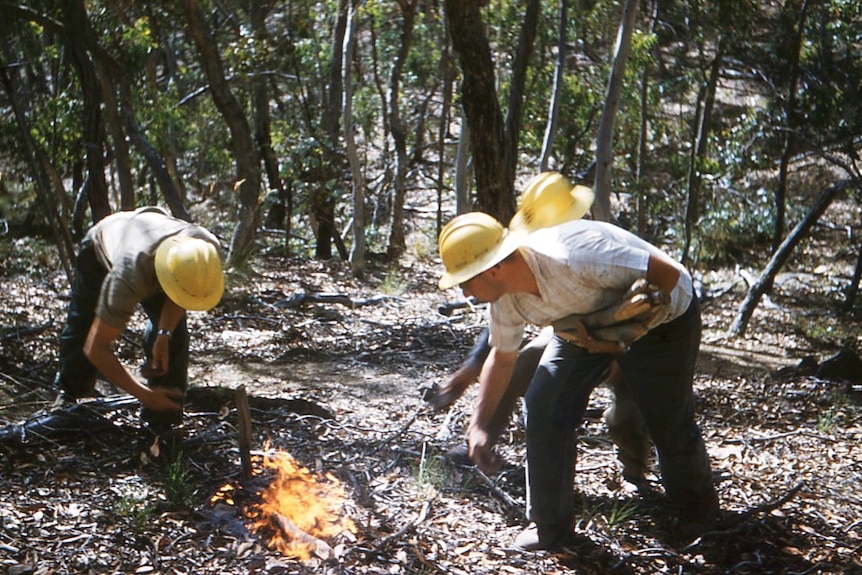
[76,376]
[659,369]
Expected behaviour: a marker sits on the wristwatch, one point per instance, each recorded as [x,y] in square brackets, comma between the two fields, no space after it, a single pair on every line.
[166,332]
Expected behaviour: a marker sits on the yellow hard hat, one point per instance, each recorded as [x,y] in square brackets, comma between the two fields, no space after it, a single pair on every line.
[190,272]
[470,244]
[550,199]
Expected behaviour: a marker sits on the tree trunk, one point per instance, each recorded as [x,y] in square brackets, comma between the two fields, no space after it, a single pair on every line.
[605,138]
[643,136]
[462,170]
[396,127]
[789,134]
[322,201]
[853,287]
[699,148]
[495,193]
[445,119]
[357,251]
[780,256]
[92,131]
[45,185]
[142,144]
[258,10]
[557,90]
[516,96]
[119,144]
[244,151]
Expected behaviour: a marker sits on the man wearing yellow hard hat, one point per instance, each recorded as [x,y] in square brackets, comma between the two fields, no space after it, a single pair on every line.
[166,265]
[541,277]
[549,200]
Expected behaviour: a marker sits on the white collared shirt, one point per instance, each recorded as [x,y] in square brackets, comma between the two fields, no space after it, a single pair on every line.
[580,267]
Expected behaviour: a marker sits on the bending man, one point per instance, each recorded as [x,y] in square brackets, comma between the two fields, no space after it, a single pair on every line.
[142,257]
[580,267]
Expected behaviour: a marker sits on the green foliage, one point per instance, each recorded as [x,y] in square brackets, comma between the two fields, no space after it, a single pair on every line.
[834,414]
[175,110]
[734,224]
[136,506]
[621,511]
[430,474]
[613,514]
[179,488]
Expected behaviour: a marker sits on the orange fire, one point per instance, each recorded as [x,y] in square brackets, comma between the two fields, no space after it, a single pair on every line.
[299,509]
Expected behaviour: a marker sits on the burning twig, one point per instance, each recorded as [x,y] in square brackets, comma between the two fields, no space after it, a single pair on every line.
[319,547]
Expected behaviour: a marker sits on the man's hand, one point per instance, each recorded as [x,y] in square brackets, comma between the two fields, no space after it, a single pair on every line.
[163,399]
[614,328]
[480,450]
[159,362]
[593,345]
[455,386]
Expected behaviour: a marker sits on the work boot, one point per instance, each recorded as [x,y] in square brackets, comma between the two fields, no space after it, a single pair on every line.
[542,537]
[700,517]
[459,455]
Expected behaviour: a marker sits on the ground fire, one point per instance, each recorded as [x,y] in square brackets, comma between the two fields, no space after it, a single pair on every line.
[297,510]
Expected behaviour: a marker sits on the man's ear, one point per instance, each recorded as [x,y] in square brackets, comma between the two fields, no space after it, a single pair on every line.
[495,272]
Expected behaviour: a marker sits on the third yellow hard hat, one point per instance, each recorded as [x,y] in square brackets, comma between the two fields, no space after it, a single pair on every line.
[550,199]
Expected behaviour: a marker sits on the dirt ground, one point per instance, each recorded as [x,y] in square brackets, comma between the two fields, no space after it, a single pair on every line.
[336,379]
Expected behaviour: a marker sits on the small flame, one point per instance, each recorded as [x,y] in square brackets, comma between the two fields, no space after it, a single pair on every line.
[299,508]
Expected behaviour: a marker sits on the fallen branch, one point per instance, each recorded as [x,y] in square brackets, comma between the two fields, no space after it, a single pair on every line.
[301,298]
[401,431]
[77,417]
[10,333]
[451,307]
[507,499]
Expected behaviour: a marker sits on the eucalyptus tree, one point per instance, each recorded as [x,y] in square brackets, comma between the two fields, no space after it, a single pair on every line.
[397,126]
[357,251]
[245,152]
[494,140]
[605,136]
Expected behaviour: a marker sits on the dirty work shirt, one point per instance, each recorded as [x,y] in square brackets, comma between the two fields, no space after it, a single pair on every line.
[125,244]
[580,267]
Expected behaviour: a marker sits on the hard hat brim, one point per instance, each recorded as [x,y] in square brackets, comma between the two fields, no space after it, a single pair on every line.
[511,242]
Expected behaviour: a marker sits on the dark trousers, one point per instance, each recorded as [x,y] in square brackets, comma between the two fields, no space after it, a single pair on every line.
[659,369]
[76,376]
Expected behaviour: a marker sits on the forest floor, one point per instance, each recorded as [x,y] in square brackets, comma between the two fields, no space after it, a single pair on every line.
[335,368]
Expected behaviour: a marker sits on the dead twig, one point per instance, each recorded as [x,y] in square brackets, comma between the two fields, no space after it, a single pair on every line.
[410,525]
[401,431]
[10,333]
[505,497]
[244,426]
[727,525]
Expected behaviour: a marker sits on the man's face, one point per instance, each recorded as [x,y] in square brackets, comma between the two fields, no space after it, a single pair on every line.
[485,287]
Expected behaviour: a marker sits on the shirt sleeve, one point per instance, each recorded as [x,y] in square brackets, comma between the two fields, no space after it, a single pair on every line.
[504,335]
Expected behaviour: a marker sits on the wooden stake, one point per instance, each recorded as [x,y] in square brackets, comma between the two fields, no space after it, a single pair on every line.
[244,425]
